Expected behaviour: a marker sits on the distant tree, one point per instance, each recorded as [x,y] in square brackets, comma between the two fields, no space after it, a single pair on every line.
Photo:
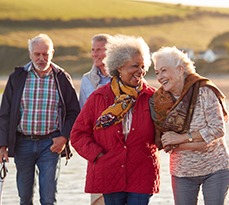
[220,42]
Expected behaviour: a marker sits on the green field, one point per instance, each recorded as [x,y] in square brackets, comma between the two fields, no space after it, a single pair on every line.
[71,9]
[72,23]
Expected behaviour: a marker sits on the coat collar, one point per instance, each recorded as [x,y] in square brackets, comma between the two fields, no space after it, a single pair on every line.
[54,66]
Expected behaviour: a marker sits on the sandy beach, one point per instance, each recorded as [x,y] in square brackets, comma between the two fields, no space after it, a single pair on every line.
[71,184]
[72,176]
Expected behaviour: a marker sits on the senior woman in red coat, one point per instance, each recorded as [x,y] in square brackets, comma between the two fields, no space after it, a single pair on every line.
[114,131]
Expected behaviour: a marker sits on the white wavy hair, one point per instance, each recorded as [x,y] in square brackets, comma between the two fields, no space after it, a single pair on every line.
[174,57]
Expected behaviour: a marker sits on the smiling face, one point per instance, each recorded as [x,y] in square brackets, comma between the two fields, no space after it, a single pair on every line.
[98,54]
[132,72]
[171,78]
[41,55]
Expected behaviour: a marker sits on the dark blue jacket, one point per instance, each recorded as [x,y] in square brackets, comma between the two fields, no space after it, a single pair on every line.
[10,106]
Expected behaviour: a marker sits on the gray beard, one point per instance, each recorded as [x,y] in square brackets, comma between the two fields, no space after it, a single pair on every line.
[37,67]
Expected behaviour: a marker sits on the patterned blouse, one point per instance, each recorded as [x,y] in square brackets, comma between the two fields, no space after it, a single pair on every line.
[208,120]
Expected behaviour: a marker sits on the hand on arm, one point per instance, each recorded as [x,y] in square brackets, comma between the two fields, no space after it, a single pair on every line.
[187,141]
[173,138]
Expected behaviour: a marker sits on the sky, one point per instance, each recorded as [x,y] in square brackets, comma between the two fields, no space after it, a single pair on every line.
[208,3]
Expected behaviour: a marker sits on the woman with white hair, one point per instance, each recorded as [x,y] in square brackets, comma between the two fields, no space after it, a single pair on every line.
[114,130]
[189,115]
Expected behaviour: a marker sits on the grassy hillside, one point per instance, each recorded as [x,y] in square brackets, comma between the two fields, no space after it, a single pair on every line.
[72,9]
[72,23]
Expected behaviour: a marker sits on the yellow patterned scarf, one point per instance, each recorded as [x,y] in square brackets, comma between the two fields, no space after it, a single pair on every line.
[125,98]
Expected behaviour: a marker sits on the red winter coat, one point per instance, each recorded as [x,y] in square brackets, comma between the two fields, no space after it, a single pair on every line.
[129,166]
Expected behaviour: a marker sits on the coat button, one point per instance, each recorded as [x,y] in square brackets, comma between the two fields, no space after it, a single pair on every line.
[123,166]
[124,147]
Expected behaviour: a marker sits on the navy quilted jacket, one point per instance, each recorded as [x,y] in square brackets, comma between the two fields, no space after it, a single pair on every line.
[131,165]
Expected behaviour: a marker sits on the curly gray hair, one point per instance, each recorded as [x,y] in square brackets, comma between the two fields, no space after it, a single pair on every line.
[121,49]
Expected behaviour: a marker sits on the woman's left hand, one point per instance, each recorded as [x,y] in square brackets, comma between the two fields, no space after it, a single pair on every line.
[171,138]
